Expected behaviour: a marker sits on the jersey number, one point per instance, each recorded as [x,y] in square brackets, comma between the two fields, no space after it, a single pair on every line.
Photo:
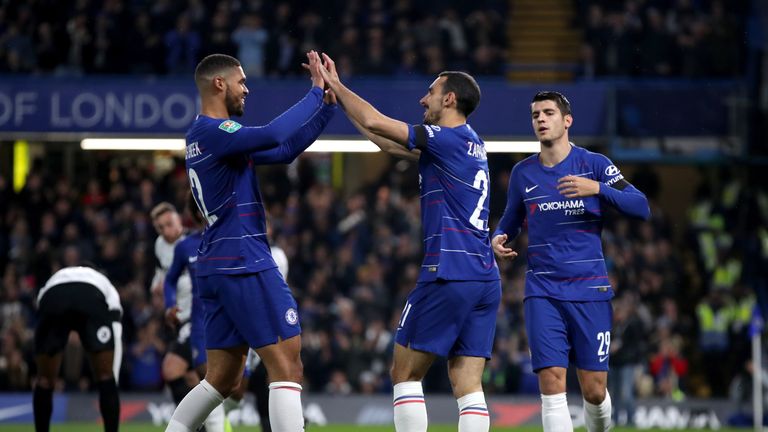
[197,190]
[605,343]
[481,182]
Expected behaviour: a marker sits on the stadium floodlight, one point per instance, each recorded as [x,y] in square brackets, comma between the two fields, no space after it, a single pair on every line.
[320,146]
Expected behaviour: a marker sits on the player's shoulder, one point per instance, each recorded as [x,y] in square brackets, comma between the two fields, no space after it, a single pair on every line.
[160,243]
[204,126]
[591,156]
[526,164]
[192,238]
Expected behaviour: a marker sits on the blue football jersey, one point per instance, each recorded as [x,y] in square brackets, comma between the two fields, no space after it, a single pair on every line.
[185,257]
[565,254]
[220,157]
[454,184]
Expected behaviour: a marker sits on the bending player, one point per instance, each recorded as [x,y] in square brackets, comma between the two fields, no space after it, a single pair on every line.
[83,300]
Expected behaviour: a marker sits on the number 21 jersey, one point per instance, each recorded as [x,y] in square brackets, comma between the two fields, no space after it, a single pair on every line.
[454,184]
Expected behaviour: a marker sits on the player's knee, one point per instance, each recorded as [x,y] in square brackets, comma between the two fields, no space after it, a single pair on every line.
[551,381]
[226,386]
[594,394]
[294,371]
[399,375]
[287,370]
[171,370]
[104,375]
[44,382]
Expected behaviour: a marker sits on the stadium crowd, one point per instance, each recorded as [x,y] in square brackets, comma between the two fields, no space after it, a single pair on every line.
[654,38]
[170,36]
[664,38]
[354,259]
[685,294]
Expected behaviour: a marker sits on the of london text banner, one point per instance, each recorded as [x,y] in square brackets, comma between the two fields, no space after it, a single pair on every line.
[114,106]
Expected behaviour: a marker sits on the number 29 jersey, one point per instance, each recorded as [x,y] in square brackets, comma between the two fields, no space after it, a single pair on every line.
[454,185]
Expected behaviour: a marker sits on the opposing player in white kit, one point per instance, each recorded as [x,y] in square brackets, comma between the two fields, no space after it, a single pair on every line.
[83,300]
[178,364]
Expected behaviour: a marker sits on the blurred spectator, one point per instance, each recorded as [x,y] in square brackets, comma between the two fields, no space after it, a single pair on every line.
[669,369]
[251,39]
[663,39]
[714,318]
[627,350]
[145,358]
[182,45]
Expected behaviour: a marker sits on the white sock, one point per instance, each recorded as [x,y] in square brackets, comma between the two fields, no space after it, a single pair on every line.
[554,413]
[410,409]
[194,408]
[597,418]
[473,413]
[285,412]
[215,420]
[231,404]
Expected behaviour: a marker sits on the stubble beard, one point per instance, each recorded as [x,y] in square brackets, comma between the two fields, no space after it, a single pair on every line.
[431,118]
[234,106]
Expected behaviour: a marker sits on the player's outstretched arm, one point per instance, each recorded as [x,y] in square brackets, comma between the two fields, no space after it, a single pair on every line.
[385,144]
[284,126]
[362,112]
[290,149]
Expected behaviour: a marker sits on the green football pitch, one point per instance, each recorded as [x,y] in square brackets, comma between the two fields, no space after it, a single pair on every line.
[139,427]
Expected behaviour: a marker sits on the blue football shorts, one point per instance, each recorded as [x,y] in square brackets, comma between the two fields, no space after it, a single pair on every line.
[197,342]
[255,309]
[197,333]
[568,332]
[451,318]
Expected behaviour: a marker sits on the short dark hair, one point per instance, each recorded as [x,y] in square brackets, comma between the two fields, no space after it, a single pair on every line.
[212,65]
[558,98]
[465,88]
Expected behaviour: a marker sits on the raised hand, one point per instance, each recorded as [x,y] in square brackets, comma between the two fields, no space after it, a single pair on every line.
[330,97]
[329,70]
[314,67]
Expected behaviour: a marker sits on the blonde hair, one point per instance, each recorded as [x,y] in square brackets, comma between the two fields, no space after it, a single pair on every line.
[160,209]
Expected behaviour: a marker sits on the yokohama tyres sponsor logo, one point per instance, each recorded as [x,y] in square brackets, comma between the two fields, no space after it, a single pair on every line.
[561,205]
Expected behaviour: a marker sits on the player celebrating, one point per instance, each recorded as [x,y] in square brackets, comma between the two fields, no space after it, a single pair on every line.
[83,300]
[452,310]
[562,192]
[246,300]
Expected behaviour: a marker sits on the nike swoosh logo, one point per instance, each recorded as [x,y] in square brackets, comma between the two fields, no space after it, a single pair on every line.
[602,359]
[528,189]
[15,411]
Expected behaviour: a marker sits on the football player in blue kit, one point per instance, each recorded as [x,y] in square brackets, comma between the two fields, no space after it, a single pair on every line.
[246,301]
[563,192]
[185,258]
[452,310]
